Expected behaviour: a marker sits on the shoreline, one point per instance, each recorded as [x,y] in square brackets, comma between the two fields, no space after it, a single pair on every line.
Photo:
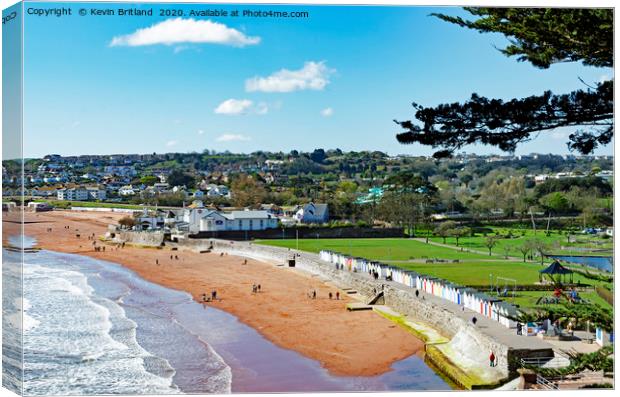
[319,329]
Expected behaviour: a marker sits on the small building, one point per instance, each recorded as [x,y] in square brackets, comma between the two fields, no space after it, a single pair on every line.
[73,194]
[127,190]
[313,213]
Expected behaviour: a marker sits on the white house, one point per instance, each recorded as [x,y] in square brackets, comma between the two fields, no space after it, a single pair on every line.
[201,219]
[127,190]
[313,213]
[73,194]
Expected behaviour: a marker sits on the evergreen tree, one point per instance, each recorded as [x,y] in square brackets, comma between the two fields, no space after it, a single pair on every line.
[543,37]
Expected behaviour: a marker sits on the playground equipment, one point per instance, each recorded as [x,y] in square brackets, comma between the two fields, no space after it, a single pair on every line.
[505,283]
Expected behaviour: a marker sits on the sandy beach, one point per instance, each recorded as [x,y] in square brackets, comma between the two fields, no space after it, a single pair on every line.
[345,343]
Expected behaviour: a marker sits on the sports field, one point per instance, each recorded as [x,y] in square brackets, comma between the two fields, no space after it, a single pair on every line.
[380,249]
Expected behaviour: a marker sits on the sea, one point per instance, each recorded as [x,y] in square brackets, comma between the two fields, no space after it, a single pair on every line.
[94,327]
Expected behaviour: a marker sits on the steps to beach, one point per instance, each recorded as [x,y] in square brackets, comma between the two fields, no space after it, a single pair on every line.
[375,299]
[357,306]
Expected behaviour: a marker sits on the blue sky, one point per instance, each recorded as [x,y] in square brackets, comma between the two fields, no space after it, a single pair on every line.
[97,85]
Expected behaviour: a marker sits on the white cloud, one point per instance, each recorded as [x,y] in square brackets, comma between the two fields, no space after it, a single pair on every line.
[171,143]
[179,30]
[232,138]
[313,76]
[327,112]
[234,106]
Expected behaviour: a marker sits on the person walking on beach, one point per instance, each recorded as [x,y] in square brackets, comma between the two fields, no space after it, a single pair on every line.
[330,295]
[337,295]
[157,261]
[519,328]
[258,287]
[492,359]
[313,294]
[213,295]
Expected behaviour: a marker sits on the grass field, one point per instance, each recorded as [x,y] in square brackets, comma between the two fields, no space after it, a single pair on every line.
[382,249]
[510,246]
[477,273]
[472,268]
[91,204]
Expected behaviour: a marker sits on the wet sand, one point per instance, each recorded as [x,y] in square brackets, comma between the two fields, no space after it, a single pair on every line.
[345,343]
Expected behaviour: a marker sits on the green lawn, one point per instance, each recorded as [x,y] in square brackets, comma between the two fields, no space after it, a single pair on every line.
[555,241]
[91,204]
[382,249]
[472,269]
[477,273]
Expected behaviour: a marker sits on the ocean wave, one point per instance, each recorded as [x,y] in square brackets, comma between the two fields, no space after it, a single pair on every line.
[93,327]
[71,351]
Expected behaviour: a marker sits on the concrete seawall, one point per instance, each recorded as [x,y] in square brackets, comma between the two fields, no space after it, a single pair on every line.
[457,348]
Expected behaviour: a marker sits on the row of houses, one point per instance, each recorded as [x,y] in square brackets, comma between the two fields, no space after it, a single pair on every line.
[607,175]
[197,218]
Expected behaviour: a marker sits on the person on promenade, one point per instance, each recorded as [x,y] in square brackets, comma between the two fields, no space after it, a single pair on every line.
[519,328]
[474,320]
[417,293]
[492,359]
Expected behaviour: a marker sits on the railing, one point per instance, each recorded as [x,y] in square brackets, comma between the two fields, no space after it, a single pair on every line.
[548,362]
[545,384]
[534,361]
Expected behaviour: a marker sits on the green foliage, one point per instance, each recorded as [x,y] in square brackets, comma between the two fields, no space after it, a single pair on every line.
[566,184]
[149,180]
[600,360]
[581,313]
[555,202]
[544,36]
[180,178]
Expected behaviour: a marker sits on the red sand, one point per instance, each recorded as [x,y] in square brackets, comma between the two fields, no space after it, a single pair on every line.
[346,343]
